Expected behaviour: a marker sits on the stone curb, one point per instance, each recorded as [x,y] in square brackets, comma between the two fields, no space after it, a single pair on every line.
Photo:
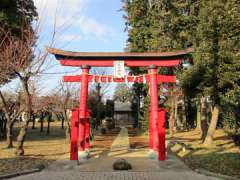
[203,171]
[217,175]
[11,175]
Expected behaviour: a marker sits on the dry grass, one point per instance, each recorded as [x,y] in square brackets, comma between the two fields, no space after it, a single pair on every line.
[40,149]
[137,140]
[222,157]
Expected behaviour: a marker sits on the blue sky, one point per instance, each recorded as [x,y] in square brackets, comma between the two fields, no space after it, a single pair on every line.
[81,25]
[84,25]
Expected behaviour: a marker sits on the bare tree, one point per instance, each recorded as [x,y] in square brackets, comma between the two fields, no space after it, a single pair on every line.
[22,59]
[123,93]
[172,120]
[101,89]
[2,123]
[12,111]
[64,99]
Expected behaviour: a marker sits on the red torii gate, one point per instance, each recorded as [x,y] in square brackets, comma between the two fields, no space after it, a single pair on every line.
[80,117]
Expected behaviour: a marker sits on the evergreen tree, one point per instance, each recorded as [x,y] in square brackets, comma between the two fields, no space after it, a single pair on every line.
[157,25]
[217,64]
[212,28]
[16,17]
[15,13]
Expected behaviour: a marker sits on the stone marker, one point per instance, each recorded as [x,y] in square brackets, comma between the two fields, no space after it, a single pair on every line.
[121,164]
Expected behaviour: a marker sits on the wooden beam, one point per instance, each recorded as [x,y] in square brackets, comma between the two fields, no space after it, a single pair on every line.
[129,63]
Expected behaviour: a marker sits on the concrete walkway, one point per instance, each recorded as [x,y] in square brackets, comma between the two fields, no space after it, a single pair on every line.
[121,143]
[100,168]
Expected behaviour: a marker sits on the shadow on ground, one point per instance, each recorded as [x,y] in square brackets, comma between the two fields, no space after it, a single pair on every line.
[56,132]
[222,157]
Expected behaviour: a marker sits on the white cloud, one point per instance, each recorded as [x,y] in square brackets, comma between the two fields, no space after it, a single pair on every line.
[71,15]
[49,7]
[70,37]
[90,26]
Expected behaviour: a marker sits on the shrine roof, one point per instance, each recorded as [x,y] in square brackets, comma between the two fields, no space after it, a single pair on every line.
[61,55]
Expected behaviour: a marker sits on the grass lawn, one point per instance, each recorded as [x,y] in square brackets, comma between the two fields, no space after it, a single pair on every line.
[222,157]
[42,149]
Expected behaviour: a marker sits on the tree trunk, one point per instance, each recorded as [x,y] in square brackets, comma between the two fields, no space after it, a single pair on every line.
[199,123]
[98,118]
[171,119]
[48,125]
[2,125]
[175,113]
[5,128]
[22,134]
[67,133]
[213,125]
[203,119]
[21,138]
[171,126]
[1,128]
[178,123]
[41,120]
[8,123]
[184,118]
[68,126]
[33,121]
[10,135]
[63,123]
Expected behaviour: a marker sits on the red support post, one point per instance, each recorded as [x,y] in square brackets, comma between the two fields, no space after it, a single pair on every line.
[153,85]
[81,137]
[87,131]
[74,135]
[83,106]
[150,130]
[161,135]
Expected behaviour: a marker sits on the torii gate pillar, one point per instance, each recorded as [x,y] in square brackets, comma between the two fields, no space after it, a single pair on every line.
[83,108]
[153,86]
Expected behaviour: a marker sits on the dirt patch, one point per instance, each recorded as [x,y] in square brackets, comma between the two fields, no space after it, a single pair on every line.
[137,140]
[103,142]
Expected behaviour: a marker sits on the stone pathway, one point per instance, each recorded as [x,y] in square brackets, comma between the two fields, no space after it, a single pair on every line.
[121,143]
[100,168]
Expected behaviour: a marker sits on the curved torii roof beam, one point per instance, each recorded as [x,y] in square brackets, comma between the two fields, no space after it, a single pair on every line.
[131,59]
